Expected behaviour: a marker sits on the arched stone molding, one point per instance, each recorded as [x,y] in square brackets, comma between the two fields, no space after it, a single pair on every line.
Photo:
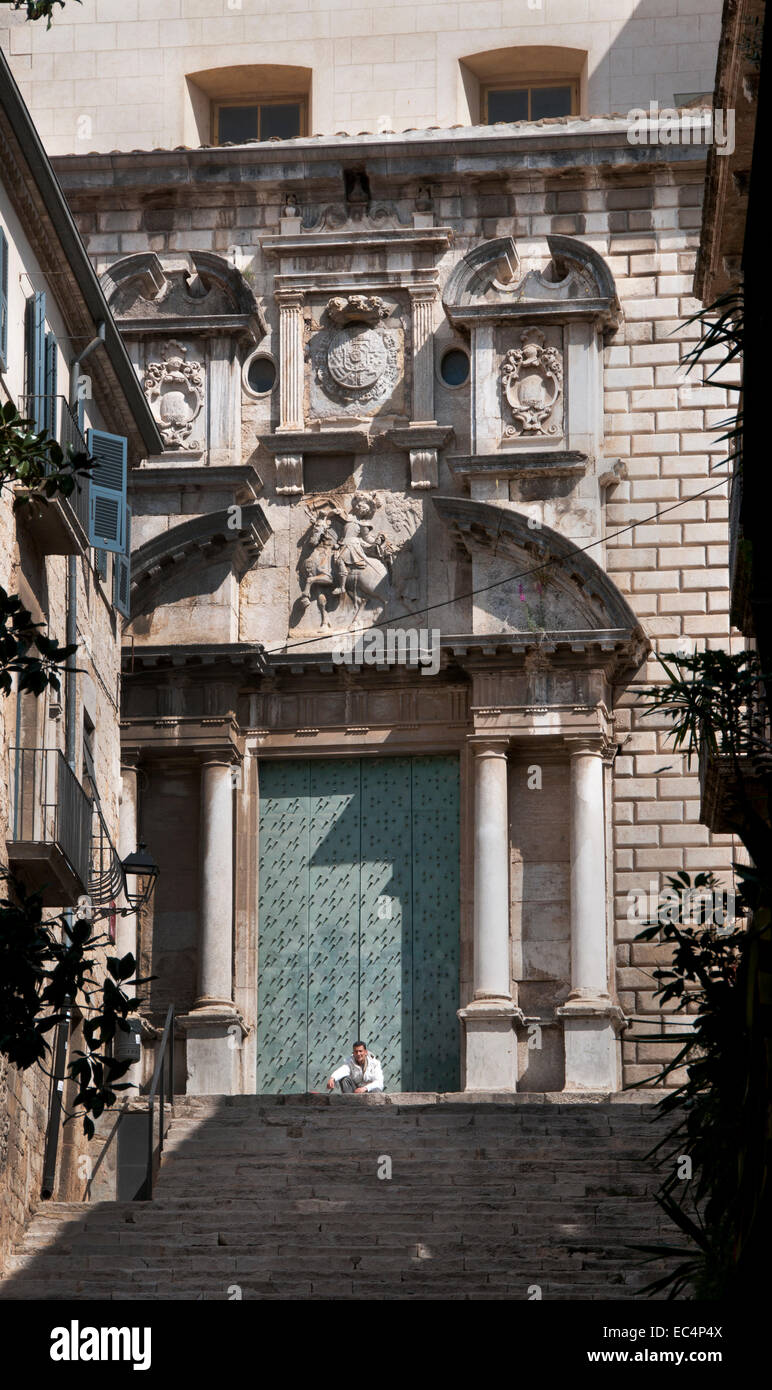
[151,291]
[193,565]
[581,597]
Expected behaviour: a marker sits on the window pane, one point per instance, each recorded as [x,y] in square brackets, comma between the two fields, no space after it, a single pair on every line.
[454,368]
[283,120]
[237,123]
[550,101]
[508,106]
[261,374]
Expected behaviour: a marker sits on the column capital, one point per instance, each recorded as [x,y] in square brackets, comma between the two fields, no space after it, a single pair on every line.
[290,299]
[489,747]
[594,744]
[216,757]
[428,292]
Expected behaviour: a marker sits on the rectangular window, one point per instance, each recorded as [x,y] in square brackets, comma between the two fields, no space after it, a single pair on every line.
[36,357]
[236,123]
[88,775]
[533,103]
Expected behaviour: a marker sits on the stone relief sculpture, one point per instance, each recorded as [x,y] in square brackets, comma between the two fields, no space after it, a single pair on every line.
[343,558]
[175,391]
[532,382]
[356,360]
[403,516]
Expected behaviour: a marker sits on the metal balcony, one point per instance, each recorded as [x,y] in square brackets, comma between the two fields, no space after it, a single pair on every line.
[50,825]
[60,524]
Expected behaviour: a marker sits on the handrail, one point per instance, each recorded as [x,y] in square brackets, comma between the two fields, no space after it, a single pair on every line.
[167,1048]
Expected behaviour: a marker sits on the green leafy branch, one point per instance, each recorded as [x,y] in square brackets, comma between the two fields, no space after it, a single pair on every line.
[40,9]
[35,459]
[47,966]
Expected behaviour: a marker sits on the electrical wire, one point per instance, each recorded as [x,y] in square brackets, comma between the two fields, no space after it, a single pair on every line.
[497,584]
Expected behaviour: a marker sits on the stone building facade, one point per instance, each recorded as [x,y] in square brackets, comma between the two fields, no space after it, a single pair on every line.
[60,784]
[408,384]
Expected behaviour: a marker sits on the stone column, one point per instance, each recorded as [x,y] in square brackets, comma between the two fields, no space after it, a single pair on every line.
[213,1027]
[215,946]
[491,1050]
[290,360]
[422,301]
[591,1020]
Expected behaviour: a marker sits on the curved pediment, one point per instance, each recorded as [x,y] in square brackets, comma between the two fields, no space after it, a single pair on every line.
[176,560]
[494,281]
[540,581]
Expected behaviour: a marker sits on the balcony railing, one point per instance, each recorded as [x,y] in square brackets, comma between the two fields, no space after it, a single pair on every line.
[49,843]
[55,414]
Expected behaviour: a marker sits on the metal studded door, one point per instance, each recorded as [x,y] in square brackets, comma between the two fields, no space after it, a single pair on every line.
[358,927]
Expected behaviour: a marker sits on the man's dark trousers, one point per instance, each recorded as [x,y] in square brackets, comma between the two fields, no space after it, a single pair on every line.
[346,1084]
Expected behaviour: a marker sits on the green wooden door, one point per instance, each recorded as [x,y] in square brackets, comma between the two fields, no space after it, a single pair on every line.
[358,920]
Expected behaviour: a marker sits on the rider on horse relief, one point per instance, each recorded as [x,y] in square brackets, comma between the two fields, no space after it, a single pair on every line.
[353,563]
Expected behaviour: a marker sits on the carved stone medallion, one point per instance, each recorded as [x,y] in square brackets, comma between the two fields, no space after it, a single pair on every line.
[532,381]
[175,391]
[356,359]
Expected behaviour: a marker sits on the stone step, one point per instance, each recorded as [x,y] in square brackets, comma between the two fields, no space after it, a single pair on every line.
[279,1198]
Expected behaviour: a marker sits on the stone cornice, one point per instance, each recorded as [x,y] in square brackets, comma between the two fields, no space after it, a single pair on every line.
[598,145]
[542,463]
[312,243]
[243,480]
[207,657]
[338,441]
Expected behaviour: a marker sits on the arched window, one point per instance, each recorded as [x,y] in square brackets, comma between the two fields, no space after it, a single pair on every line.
[249,102]
[523,83]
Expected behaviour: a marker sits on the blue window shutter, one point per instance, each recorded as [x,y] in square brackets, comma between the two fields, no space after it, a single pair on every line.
[107,509]
[36,358]
[50,421]
[3,300]
[122,574]
[100,563]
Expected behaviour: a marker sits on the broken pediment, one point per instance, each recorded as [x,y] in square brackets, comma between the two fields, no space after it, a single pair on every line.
[194,291]
[563,278]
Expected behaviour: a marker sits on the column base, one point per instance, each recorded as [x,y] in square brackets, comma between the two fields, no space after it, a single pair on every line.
[214,1034]
[591,1029]
[491,1044]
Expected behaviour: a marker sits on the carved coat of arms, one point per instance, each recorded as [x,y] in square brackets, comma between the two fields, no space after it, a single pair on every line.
[356,359]
[532,382]
[175,391]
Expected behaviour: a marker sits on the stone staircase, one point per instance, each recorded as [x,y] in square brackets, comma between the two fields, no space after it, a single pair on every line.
[280,1197]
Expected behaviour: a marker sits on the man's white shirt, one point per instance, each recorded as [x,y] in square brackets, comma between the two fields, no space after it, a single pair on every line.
[370,1076]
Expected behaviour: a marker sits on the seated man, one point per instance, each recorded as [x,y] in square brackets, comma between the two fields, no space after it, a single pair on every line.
[360,1072]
